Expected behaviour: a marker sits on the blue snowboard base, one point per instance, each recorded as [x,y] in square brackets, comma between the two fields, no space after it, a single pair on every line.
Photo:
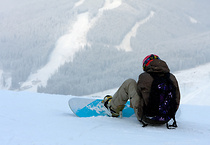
[90,107]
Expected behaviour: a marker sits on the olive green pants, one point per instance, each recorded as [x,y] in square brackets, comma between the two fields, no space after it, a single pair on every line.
[128,90]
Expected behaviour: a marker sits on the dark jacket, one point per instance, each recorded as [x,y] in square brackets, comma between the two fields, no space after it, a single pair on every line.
[145,81]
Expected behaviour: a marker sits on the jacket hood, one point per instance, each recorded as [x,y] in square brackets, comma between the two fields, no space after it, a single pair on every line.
[157,66]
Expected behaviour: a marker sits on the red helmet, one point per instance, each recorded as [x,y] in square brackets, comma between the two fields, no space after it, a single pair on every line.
[148,59]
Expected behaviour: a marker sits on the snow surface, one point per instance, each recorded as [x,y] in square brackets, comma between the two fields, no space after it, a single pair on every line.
[28,118]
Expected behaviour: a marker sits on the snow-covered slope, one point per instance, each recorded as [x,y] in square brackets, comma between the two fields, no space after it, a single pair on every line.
[28,118]
[50,46]
[195,85]
[68,45]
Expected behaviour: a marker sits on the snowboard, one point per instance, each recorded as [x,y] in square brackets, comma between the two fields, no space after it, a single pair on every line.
[91,107]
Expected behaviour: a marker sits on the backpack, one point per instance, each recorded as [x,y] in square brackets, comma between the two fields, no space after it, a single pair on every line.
[162,104]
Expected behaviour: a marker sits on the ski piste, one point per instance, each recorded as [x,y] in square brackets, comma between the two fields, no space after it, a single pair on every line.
[91,107]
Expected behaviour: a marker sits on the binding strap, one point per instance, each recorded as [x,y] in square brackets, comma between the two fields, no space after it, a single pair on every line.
[144,124]
[173,126]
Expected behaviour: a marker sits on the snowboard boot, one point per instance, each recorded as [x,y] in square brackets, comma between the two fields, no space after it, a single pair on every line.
[115,113]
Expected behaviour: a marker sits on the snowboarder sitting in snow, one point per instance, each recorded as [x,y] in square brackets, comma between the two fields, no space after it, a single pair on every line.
[155,98]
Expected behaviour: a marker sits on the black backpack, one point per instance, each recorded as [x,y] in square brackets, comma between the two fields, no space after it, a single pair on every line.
[161,107]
